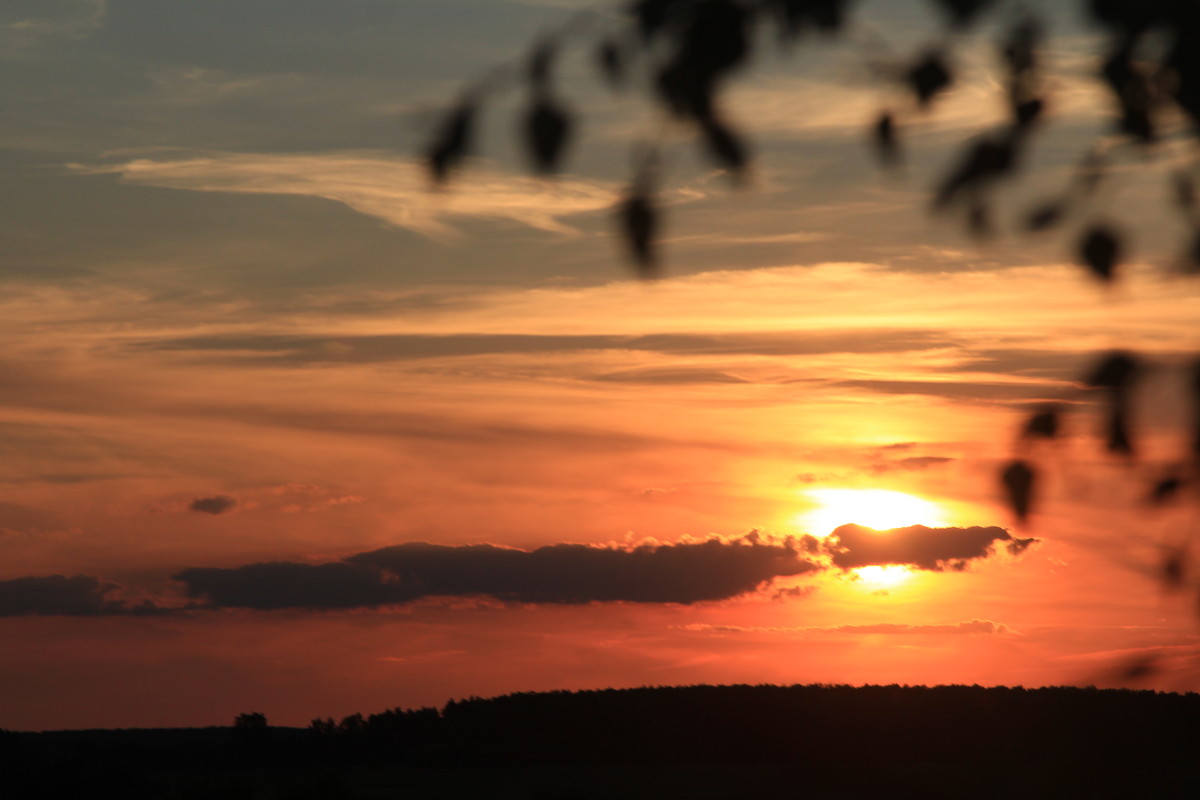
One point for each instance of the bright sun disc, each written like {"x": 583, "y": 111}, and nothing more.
{"x": 875, "y": 577}
{"x": 873, "y": 508}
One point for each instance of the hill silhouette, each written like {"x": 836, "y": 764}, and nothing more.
{"x": 693, "y": 741}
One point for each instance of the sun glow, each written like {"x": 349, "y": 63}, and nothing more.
{"x": 888, "y": 577}
{"x": 873, "y": 508}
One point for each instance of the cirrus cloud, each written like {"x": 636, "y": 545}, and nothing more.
{"x": 380, "y": 185}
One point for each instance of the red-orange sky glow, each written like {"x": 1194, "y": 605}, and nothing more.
{"x": 251, "y": 362}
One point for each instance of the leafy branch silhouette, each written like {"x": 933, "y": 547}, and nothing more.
{"x": 683, "y": 55}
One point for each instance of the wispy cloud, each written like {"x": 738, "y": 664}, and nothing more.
{"x": 381, "y": 185}
{"x": 58, "y": 19}
{"x": 976, "y": 626}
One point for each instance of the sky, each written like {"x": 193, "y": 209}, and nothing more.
{"x": 285, "y": 429}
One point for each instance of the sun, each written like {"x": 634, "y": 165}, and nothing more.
{"x": 873, "y": 508}
{"x": 883, "y": 577}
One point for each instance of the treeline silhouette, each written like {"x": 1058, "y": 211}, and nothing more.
{"x": 695, "y": 741}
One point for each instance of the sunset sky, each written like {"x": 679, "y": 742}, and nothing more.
{"x": 284, "y": 430}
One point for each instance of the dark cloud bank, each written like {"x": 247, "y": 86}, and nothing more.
{"x": 218, "y": 504}
{"x": 918, "y": 546}
{"x": 561, "y": 573}
{"x": 685, "y": 572}
{"x": 76, "y": 596}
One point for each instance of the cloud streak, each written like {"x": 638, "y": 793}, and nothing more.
{"x": 58, "y": 19}
{"x": 393, "y": 189}
{"x": 351, "y": 348}
{"x": 974, "y": 626}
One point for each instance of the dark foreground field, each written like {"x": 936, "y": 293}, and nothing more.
{"x": 686, "y": 742}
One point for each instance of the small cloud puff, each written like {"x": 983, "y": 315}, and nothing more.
{"x": 218, "y": 504}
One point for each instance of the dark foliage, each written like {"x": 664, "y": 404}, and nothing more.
{"x": 251, "y": 721}
{"x": 929, "y": 77}
{"x": 639, "y": 224}
{"x": 547, "y": 131}
{"x": 1018, "y": 479}
{"x": 686, "y": 51}
{"x": 1044, "y": 423}
{"x": 1100, "y": 251}
{"x": 696, "y": 741}
{"x": 453, "y": 142}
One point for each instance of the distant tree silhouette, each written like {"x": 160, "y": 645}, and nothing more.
{"x": 250, "y": 721}
{"x": 689, "y": 741}
{"x": 323, "y": 726}
{"x": 685, "y": 53}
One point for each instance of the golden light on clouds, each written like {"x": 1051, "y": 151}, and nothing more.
{"x": 872, "y": 508}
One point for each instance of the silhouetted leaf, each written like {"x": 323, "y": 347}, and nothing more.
{"x": 884, "y": 136}
{"x": 1133, "y": 93}
{"x": 1174, "y": 567}
{"x": 724, "y": 145}
{"x": 612, "y": 63}
{"x": 828, "y": 15}
{"x": 1043, "y": 424}
{"x": 1183, "y": 64}
{"x": 1117, "y": 370}
{"x": 651, "y": 16}
{"x": 1019, "y": 48}
{"x": 1165, "y": 489}
{"x": 1100, "y": 251}
{"x": 796, "y": 15}
{"x": 985, "y": 161}
{"x": 547, "y": 130}
{"x": 929, "y": 76}
{"x": 963, "y": 12}
{"x": 1045, "y": 216}
{"x": 1128, "y": 17}
{"x": 1137, "y": 122}
{"x": 452, "y": 142}
{"x": 715, "y": 39}
{"x": 686, "y": 92}
{"x": 1027, "y": 112}
{"x": 1018, "y": 482}
{"x": 1118, "y": 441}
{"x": 638, "y": 221}
{"x": 792, "y": 15}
